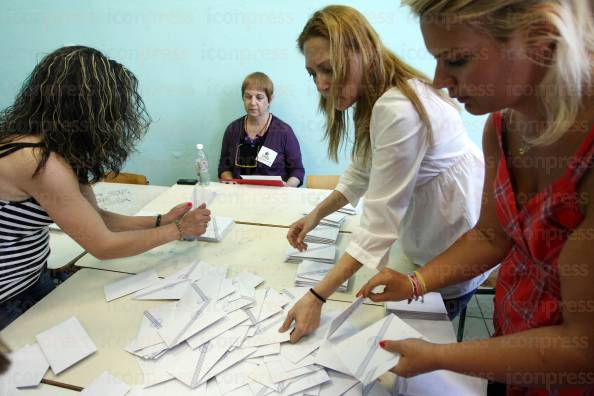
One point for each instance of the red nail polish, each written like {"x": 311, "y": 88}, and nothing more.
{"x": 382, "y": 344}
{"x": 189, "y": 204}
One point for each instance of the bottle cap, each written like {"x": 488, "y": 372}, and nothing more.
{"x": 199, "y": 146}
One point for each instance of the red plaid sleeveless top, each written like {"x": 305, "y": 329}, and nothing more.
{"x": 528, "y": 292}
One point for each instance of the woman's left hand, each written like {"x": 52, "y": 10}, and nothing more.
{"x": 416, "y": 356}
{"x": 176, "y": 213}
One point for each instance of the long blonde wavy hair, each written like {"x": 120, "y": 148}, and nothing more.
{"x": 348, "y": 31}
{"x": 570, "y": 66}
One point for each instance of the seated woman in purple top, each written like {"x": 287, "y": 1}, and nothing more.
{"x": 260, "y": 143}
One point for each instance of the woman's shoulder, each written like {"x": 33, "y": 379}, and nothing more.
{"x": 280, "y": 125}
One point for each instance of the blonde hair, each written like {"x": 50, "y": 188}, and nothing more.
{"x": 348, "y": 31}
{"x": 570, "y": 67}
{"x": 260, "y": 81}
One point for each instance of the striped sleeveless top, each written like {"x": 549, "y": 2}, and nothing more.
{"x": 24, "y": 239}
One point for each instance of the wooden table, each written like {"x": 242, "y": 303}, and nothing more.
{"x": 258, "y": 249}
{"x": 261, "y": 205}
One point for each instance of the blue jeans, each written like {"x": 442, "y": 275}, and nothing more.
{"x": 17, "y": 305}
{"x": 455, "y": 305}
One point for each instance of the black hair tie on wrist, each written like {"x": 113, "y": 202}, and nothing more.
{"x": 158, "y": 222}
{"x": 322, "y": 299}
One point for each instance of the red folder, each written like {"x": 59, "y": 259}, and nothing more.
{"x": 274, "y": 183}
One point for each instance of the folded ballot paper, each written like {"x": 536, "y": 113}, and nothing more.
{"x": 431, "y": 307}
{"x": 217, "y": 229}
{"x": 309, "y": 273}
{"x": 359, "y": 355}
{"x": 319, "y": 252}
{"x": 322, "y": 234}
{"x": 219, "y": 226}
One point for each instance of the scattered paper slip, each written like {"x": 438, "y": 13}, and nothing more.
{"x": 65, "y": 344}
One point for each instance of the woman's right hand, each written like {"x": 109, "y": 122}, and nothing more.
{"x": 299, "y": 229}
{"x": 397, "y": 286}
{"x": 194, "y": 223}
{"x": 306, "y": 315}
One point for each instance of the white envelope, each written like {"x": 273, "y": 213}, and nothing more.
{"x": 266, "y": 339}
{"x": 155, "y": 370}
{"x": 248, "y": 279}
{"x": 267, "y": 350}
{"x": 106, "y": 384}
{"x": 229, "y": 360}
{"x": 65, "y": 344}
{"x": 261, "y": 375}
{"x": 129, "y": 284}
{"x": 441, "y": 382}
{"x": 190, "y": 316}
{"x": 164, "y": 289}
{"x": 28, "y": 366}
{"x": 362, "y": 354}
{"x": 233, "y": 378}
{"x": 339, "y": 383}
{"x": 305, "y": 382}
{"x": 279, "y": 374}
{"x": 229, "y": 321}
{"x": 193, "y": 365}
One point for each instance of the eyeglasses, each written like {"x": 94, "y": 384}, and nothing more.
{"x": 245, "y": 155}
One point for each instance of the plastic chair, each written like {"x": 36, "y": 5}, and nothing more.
{"x": 127, "y": 178}
{"x": 325, "y": 182}
{"x": 488, "y": 288}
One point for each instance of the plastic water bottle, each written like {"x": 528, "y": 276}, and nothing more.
{"x": 201, "y": 166}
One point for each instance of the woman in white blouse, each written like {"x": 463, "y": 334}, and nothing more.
{"x": 412, "y": 159}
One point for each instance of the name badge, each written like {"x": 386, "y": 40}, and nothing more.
{"x": 266, "y": 156}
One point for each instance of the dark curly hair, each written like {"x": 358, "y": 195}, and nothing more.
{"x": 84, "y": 107}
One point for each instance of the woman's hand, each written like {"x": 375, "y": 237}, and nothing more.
{"x": 176, "y": 213}
{"x": 397, "y": 286}
{"x": 299, "y": 229}
{"x": 416, "y": 356}
{"x": 306, "y": 315}
{"x": 194, "y": 222}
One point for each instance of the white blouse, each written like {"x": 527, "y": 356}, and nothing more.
{"x": 421, "y": 188}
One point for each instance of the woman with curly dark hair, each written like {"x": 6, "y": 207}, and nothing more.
{"x": 77, "y": 118}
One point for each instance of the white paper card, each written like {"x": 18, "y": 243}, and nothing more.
{"x": 65, "y": 344}
{"x": 106, "y": 384}
{"x": 28, "y": 366}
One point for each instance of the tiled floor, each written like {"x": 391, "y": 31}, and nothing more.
{"x": 479, "y": 318}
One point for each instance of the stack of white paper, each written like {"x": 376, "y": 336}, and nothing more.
{"x": 348, "y": 208}
{"x": 430, "y": 308}
{"x": 315, "y": 251}
{"x": 322, "y": 234}
{"x": 335, "y": 219}
{"x": 309, "y": 273}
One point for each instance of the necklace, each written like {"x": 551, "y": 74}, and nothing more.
{"x": 261, "y": 130}
{"x": 525, "y": 145}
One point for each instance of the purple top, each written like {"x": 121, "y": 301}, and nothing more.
{"x": 279, "y": 137}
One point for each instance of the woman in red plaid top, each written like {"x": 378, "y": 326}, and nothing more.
{"x": 530, "y": 64}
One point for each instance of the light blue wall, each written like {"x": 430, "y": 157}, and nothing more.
{"x": 191, "y": 57}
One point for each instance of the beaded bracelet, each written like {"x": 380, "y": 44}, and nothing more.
{"x": 179, "y": 228}
{"x": 418, "y": 286}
